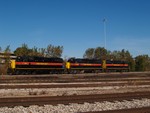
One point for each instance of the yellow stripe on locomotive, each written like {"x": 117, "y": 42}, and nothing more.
{"x": 13, "y": 64}
{"x": 104, "y": 64}
{"x": 67, "y": 65}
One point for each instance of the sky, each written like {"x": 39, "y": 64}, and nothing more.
{"x": 76, "y": 25}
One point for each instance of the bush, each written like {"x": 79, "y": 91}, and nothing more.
{"x": 3, "y": 69}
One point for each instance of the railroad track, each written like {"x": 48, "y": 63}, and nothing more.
{"x": 69, "y": 80}
{"x": 132, "y": 110}
{"x": 65, "y": 78}
{"x": 54, "y": 100}
{"x": 73, "y": 85}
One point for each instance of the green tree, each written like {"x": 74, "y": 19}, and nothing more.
{"x": 142, "y": 63}
{"x": 54, "y": 51}
{"x": 35, "y": 52}
{"x": 4, "y": 67}
{"x": 42, "y": 51}
{"x": 58, "y": 51}
{"x": 128, "y": 57}
{"x": 120, "y": 55}
{"x": 7, "y": 53}
{"x": 98, "y": 53}
{"x": 89, "y": 53}
{"x": 50, "y": 51}
{"x": 22, "y": 51}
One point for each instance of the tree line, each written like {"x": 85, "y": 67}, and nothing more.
{"x": 24, "y": 50}
{"x": 138, "y": 63}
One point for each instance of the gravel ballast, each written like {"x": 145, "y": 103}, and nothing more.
{"x": 75, "y": 108}
{"x": 71, "y": 91}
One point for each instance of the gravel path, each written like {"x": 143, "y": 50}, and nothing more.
{"x": 75, "y": 108}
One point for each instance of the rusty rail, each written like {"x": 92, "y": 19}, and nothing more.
{"x": 74, "y": 85}
{"x": 54, "y": 100}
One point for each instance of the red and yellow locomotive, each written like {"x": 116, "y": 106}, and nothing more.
{"x": 76, "y": 65}
{"x": 43, "y": 65}
{"x": 34, "y": 65}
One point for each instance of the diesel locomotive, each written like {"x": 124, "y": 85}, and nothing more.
{"x": 76, "y": 65}
{"x": 43, "y": 65}
{"x": 34, "y": 65}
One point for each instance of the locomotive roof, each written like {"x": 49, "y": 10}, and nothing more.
{"x": 39, "y": 59}
{"x": 84, "y": 60}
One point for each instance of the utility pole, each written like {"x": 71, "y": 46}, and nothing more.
{"x": 104, "y": 21}
{"x": 104, "y": 59}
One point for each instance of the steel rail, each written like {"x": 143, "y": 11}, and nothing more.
{"x": 74, "y": 85}
{"x": 54, "y": 100}
{"x": 69, "y": 80}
